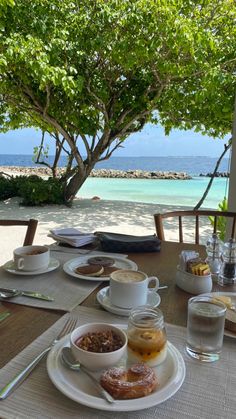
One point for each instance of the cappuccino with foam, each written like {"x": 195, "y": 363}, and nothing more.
{"x": 129, "y": 276}
{"x": 129, "y": 288}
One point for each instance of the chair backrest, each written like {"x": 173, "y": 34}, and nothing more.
{"x": 180, "y": 215}
{"x": 31, "y": 228}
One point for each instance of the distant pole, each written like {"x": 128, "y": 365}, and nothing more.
{"x": 232, "y": 172}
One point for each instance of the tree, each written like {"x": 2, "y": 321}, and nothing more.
{"x": 93, "y": 72}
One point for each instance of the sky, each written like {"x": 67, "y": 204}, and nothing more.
{"x": 151, "y": 141}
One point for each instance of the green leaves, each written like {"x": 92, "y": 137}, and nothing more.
{"x": 100, "y": 69}
{"x": 221, "y": 221}
{"x": 66, "y": 46}
{"x": 5, "y": 3}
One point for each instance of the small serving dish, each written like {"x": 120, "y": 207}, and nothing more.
{"x": 88, "y": 340}
{"x": 194, "y": 284}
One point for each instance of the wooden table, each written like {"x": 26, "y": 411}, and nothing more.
{"x": 26, "y": 323}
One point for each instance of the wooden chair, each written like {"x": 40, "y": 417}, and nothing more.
{"x": 31, "y": 228}
{"x": 179, "y": 215}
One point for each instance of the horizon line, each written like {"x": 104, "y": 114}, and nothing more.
{"x": 128, "y": 156}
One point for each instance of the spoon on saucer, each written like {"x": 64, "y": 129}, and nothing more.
{"x": 69, "y": 361}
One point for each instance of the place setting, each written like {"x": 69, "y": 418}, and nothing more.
{"x": 137, "y": 367}
{"x": 28, "y": 261}
{"x": 35, "y": 280}
{"x": 31, "y": 260}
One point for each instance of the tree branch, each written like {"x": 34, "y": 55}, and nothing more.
{"x": 53, "y": 122}
{"x": 110, "y": 152}
{"x": 141, "y": 115}
{"x": 100, "y": 105}
{"x": 227, "y": 147}
{"x": 47, "y": 100}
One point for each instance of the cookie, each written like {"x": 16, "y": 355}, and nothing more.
{"x": 89, "y": 270}
{"x": 101, "y": 260}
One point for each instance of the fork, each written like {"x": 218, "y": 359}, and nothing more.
{"x": 22, "y": 375}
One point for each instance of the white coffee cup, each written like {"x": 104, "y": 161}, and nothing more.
{"x": 31, "y": 258}
{"x": 129, "y": 288}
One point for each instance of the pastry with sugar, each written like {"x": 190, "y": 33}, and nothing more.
{"x": 138, "y": 381}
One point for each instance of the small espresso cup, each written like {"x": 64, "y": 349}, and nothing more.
{"x": 31, "y": 258}
{"x": 130, "y": 289}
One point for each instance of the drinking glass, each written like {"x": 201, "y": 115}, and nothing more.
{"x": 205, "y": 328}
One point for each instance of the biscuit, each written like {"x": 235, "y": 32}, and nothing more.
{"x": 89, "y": 270}
{"x": 101, "y": 260}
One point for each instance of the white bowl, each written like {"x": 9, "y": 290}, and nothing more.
{"x": 96, "y": 360}
{"x": 194, "y": 284}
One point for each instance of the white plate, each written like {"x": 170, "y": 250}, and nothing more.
{"x": 103, "y": 298}
{"x": 78, "y": 387}
{"x": 227, "y": 294}
{"x": 120, "y": 262}
{"x": 53, "y": 264}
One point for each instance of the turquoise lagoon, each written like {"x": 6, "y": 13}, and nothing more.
{"x": 167, "y": 192}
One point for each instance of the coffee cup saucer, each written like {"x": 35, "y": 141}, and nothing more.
{"x": 10, "y": 267}
{"x": 103, "y": 298}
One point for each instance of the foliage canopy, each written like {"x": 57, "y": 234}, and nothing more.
{"x": 93, "y": 71}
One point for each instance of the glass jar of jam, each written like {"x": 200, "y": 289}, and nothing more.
{"x": 147, "y": 340}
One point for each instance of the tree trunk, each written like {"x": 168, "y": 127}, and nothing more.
{"x": 73, "y": 186}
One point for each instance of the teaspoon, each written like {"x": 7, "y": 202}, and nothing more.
{"x": 70, "y": 362}
{"x": 6, "y": 293}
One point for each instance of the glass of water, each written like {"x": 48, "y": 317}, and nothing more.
{"x": 205, "y": 328}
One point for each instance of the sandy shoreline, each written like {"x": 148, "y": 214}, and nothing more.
{"x": 86, "y": 214}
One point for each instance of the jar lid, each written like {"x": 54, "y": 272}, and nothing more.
{"x": 146, "y": 316}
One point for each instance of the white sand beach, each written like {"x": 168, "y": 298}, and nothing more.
{"x": 86, "y": 214}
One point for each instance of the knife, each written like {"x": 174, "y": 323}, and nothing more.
{"x": 36, "y": 295}
{"x": 32, "y": 294}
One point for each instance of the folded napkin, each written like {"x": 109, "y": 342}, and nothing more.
{"x": 72, "y": 236}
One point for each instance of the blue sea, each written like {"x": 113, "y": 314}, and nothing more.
{"x": 167, "y": 192}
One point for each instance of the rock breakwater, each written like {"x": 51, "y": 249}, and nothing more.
{"x": 102, "y": 173}
{"x": 138, "y": 174}
{"x": 218, "y": 174}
